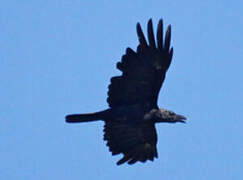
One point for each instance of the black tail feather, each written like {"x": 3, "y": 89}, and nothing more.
{"x": 77, "y": 118}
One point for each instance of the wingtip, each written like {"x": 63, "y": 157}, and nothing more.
{"x": 160, "y": 34}
{"x": 150, "y": 21}
{"x": 139, "y": 29}
{"x": 168, "y": 31}
{"x": 167, "y": 38}
{"x": 171, "y": 53}
{"x": 169, "y": 28}
{"x": 160, "y": 22}
{"x": 171, "y": 50}
{"x": 138, "y": 25}
{"x": 123, "y": 160}
{"x": 150, "y": 24}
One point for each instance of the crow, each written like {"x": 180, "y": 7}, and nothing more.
{"x": 132, "y": 97}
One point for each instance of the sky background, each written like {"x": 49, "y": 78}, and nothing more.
{"x": 58, "y": 56}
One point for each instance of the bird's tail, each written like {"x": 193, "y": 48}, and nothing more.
{"x": 77, "y": 118}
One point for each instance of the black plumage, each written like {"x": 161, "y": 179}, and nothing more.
{"x": 132, "y": 97}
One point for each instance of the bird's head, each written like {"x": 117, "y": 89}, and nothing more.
{"x": 163, "y": 115}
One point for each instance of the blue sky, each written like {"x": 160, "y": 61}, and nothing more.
{"x": 57, "y": 57}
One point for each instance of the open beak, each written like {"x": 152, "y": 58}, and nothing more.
{"x": 181, "y": 118}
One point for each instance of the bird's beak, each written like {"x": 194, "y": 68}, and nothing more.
{"x": 181, "y": 118}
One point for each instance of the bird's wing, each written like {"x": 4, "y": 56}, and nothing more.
{"x": 143, "y": 72}
{"x": 135, "y": 142}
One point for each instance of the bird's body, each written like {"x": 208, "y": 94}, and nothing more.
{"x": 130, "y": 121}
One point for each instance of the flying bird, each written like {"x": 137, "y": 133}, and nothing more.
{"x": 132, "y": 97}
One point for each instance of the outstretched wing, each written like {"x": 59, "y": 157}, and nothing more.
{"x": 135, "y": 142}
{"x": 143, "y": 72}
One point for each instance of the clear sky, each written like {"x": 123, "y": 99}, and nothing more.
{"x": 58, "y": 56}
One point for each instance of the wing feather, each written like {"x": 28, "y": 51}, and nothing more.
{"x": 136, "y": 142}
{"x": 160, "y": 35}
{"x": 167, "y": 39}
{"x": 143, "y": 71}
{"x": 141, "y": 37}
{"x": 151, "y": 34}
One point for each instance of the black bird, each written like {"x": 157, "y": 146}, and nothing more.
{"x": 132, "y": 97}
